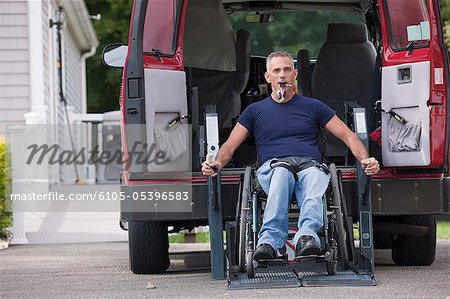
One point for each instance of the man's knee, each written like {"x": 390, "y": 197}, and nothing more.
{"x": 314, "y": 176}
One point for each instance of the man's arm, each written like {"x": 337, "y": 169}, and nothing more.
{"x": 341, "y": 131}
{"x": 226, "y": 151}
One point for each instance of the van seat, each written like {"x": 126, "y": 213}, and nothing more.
{"x": 304, "y": 73}
{"x": 345, "y": 71}
{"x": 223, "y": 88}
{"x": 219, "y": 61}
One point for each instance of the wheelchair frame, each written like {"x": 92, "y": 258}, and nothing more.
{"x": 355, "y": 268}
{"x": 334, "y": 234}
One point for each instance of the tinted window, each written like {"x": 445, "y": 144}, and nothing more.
{"x": 160, "y": 25}
{"x": 292, "y": 31}
{"x": 408, "y": 22}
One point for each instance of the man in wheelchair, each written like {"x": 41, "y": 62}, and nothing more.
{"x": 285, "y": 127}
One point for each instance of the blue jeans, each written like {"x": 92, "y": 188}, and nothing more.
{"x": 279, "y": 184}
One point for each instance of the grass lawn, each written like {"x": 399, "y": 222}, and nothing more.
{"x": 443, "y": 232}
{"x": 202, "y": 237}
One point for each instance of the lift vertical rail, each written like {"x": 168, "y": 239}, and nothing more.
{"x": 214, "y": 198}
{"x": 366, "y": 254}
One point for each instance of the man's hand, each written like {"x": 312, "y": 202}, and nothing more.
{"x": 212, "y": 168}
{"x": 370, "y": 166}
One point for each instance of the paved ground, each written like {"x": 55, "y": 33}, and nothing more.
{"x": 74, "y": 227}
{"x": 68, "y": 225}
{"x": 100, "y": 270}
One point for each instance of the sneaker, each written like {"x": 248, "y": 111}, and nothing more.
{"x": 264, "y": 252}
{"x": 306, "y": 246}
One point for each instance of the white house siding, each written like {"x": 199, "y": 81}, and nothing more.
{"x": 72, "y": 60}
{"x": 19, "y": 75}
{"x": 71, "y": 76}
{"x": 72, "y": 92}
{"x": 14, "y": 59}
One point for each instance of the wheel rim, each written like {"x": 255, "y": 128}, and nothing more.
{"x": 246, "y": 193}
{"x": 341, "y": 231}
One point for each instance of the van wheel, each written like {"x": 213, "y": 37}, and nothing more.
{"x": 148, "y": 244}
{"x": 414, "y": 250}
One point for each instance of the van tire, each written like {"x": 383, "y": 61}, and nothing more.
{"x": 148, "y": 244}
{"x": 414, "y": 250}
{"x": 382, "y": 241}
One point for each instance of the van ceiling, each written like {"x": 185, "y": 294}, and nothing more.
{"x": 266, "y": 5}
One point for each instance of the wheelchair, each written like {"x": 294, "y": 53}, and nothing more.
{"x": 336, "y": 235}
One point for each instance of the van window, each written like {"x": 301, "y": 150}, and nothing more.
{"x": 408, "y": 22}
{"x": 160, "y": 26}
{"x": 292, "y": 30}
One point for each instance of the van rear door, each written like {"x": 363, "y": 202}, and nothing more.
{"x": 414, "y": 85}
{"x": 155, "y": 89}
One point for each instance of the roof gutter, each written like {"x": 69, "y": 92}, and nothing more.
{"x": 79, "y": 23}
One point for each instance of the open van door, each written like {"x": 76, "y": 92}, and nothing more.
{"x": 155, "y": 129}
{"x": 415, "y": 79}
{"x": 154, "y": 93}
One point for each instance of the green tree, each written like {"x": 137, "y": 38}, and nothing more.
{"x": 103, "y": 83}
{"x": 445, "y": 7}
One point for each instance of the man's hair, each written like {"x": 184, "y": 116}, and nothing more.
{"x": 278, "y": 54}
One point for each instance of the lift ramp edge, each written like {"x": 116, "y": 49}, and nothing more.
{"x": 306, "y": 274}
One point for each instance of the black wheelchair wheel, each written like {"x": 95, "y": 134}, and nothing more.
{"x": 236, "y": 246}
{"x": 341, "y": 231}
{"x": 348, "y": 225}
{"x": 245, "y": 200}
{"x": 250, "y": 269}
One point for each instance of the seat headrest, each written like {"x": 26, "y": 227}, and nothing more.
{"x": 347, "y": 33}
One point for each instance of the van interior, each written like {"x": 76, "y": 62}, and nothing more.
{"x": 337, "y": 50}
{"x": 221, "y": 61}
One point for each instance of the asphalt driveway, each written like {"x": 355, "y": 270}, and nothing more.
{"x": 100, "y": 270}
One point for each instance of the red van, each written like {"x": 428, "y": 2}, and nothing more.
{"x": 183, "y": 56}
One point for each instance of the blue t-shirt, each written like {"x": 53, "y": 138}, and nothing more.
{"x": 286, "y": 129}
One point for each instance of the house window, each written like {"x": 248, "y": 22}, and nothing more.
{"x": 160, "y": 26}
{"x": 408, "y": 23}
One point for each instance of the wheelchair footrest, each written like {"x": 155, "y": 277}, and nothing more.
{"x": 307, "y": 273}
{"x": 310, "y": 257}
{"x": 271, "y": 262}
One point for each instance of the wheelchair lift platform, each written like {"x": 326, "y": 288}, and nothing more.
{"x": 303, "y": 274}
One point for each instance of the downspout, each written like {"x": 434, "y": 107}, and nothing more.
{"x": 84, "y": 57}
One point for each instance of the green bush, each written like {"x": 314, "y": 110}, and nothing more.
{"x": 447, "y": 34}
{"x": 5, "y": 180}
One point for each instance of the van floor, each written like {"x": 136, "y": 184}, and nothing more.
{"x": 302, "y": 274}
